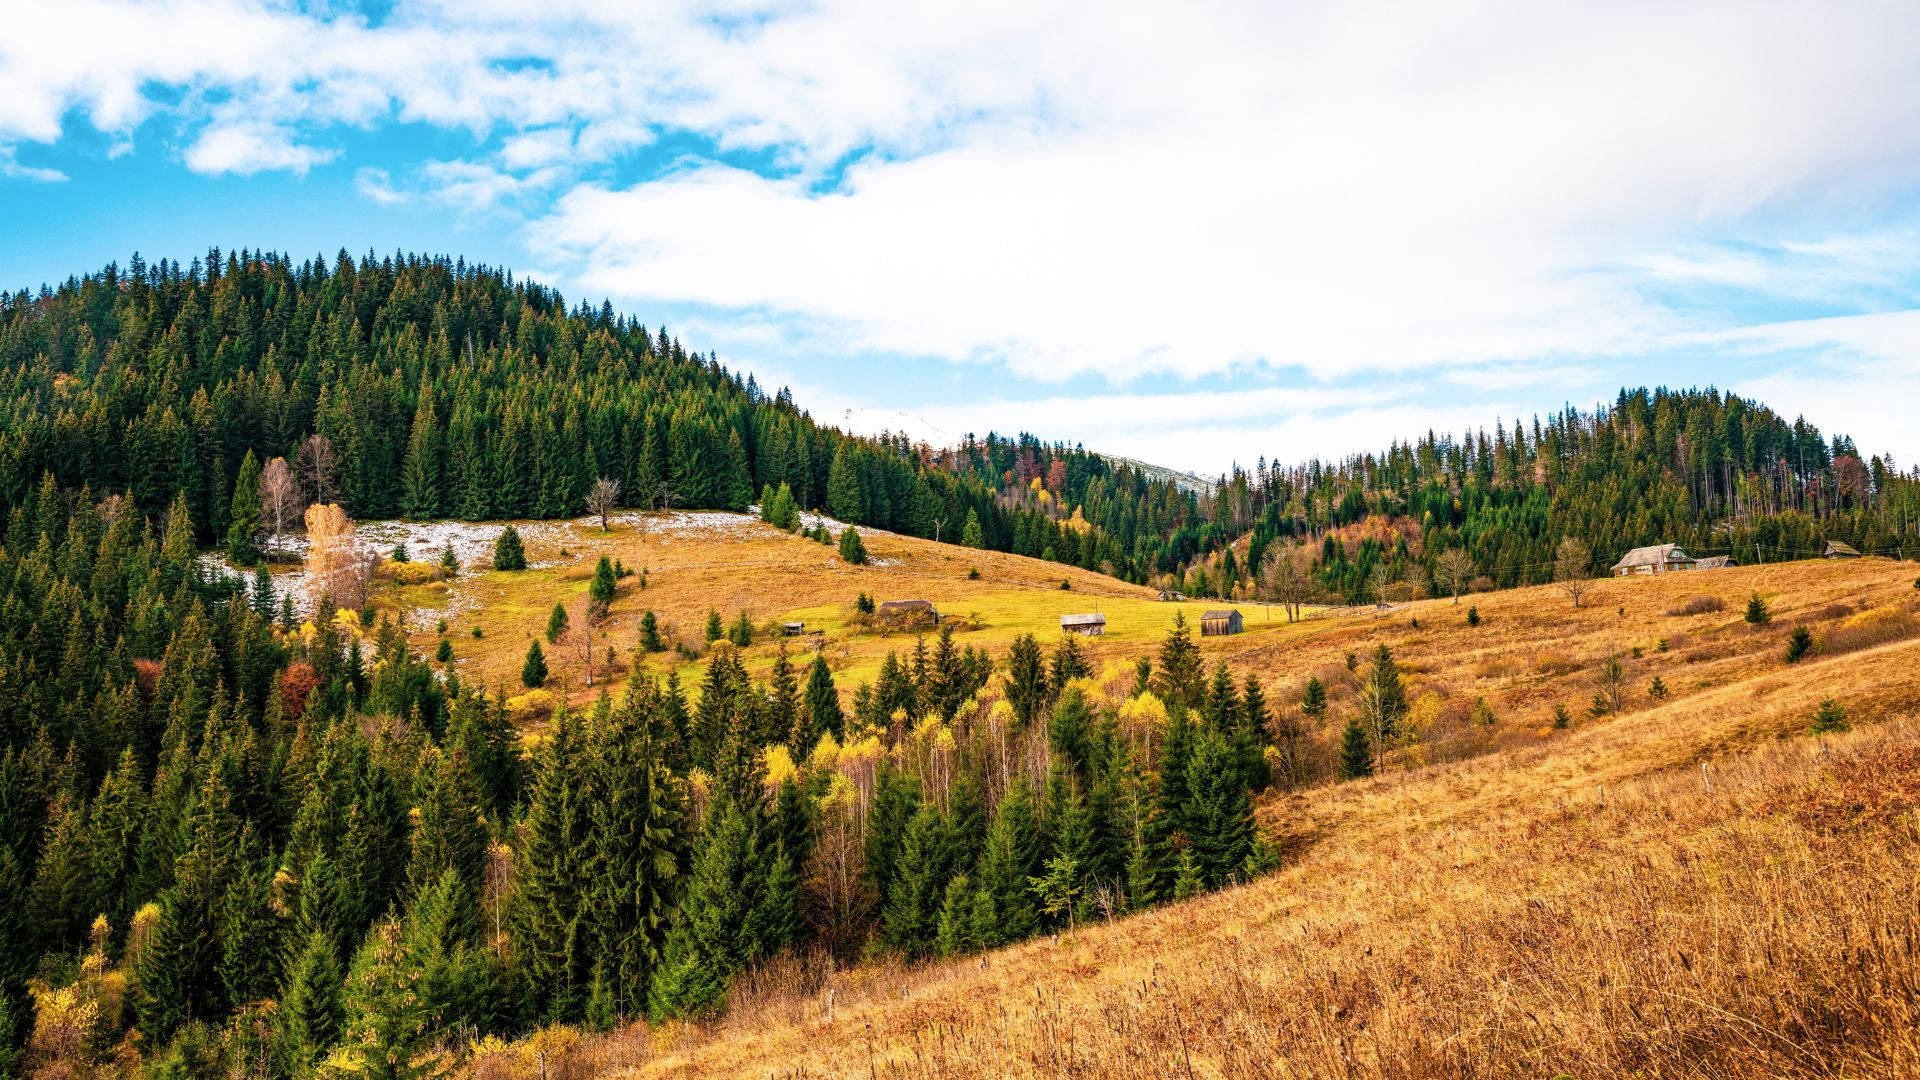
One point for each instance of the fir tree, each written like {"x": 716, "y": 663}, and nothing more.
{"x": 741, "y": 632}
{"x": 715, "y": 629}
{"x": 650, "y": 640}
{"x": 917, "y": 886}
{"x": 556, "y": 625}
{"x": 1026, "y": 679}
{"x": 1758, "y": 613}
{"x": 1830, "y": 717}
{"x": 549, "y": 934}
{"x": 1179, "y": 665}
{"x": 1799, "y": 644}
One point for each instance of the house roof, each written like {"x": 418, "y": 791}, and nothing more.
{"x": 1713, "y": 562}
{"x": 1083, "y": 620}
{"x": 1652, "y": 555}
{"x": 907, "y": 605}
{"x": 1219, "y": 613}
{"x": 1835, "y": 547}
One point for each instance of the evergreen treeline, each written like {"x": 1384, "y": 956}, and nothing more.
{"x": 1713, "y": 472}
{"x": 230, "y": 844}
{"x": 448, "y": 390}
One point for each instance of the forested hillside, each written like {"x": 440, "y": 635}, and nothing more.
{"x": 443, "y": 390}
{"x": 1714, "y": 472}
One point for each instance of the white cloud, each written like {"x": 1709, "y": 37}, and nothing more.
{"x": 1491, "y": 195}
{"x": 247, "y": 148}
{"x": 377, "y": 184}
{"x": 12, "y": 169}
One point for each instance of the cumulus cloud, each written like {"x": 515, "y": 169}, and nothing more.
{"x": 245, "y": 149}
{"x": 1487, "y": 196}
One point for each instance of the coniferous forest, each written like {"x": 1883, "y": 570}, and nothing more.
{"x": 229, "y": 844}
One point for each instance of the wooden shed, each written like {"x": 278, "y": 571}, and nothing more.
{"x": 1837, "y": 550}
{"x": 1089, "y": 625}
{"x": 908, "y": 612}
{"x": 1221, "y": 621}
{"x": 1714, "y": 562}
{"x": 793, "y": 629}
{"x": 1653, "y": 559}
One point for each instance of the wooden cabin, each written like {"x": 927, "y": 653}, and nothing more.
{"x": 1837, "y": 550}
{"x": 1088, "y": 625}
{"x": 1653, "y": 559}
{"x": 1714, "y": 562}
{"x": 1221, "y": 621}
{"x": 793, "y": 629}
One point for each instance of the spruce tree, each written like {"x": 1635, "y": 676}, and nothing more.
{"x": 650, "y": 640}
{"x": 1180, "y": 666}
{"x": 1006, "y": 911}
{"x": 971, "y": 535}
{"x": 243, "y": 521}
{"x": 822, "y": 704}
{"x": 1027, "y": 683}
{"x": 852, "y": 551}
{"x": 1313, "y": 702}
{"x": 508, "y": 552}
{"x": 556, "y": 623}
{"x": 724, "y": 920}
{"x": 602, "y": 589}
{"x": 741, "y": 632}
{"x": 533, "y": 672}
{"x": 715, "y": 629}
{"x": 1218, "y": 815}
{"x": 555, "y": 853}
{"x": 1356, "y": 751}
{"x": 389, "y": 1023}
{"x": 911, "y": 914}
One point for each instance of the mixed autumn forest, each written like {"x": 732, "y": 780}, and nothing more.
{"x": 251, "y": 829}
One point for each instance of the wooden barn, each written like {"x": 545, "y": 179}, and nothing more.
{"x": 1221, "y": 621}
{"x": 1088, "y": 625}
{"x": 1653, "y": 559}
{"x": 1837, "y": 550}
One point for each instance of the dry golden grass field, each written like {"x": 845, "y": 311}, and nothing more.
{"x": 1691, "y": 886}
{"x": 696, "y": 562}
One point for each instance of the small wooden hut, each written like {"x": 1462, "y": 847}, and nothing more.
{"x": 1089, "y": 625}
{"x": 1837, "y": 550}
{"x": 1221, "y": 621}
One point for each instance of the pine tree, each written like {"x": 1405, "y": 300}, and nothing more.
{"x": 650, "y": 640}
{"x": 741, "y": 632}
{"x": 422, "y": 474}
{"x": 727, "y": 916}
{"x": 956, "y": 930}
{"x": 852, "y": 551}
{"x": 1758, "y": 614}
{"x": 243, "y": 521}
{"x": 508, "y": 552}
{"x": 1829, "y": 718}
{"x": 388, "y": 1020}
{"x": 844, "y": 497}
{"x": 452, "y": 833}
{"x": 533, "y": 672}
{"x": 1799, "y": 644}
{"x": 1006, "y": 908}
{"x": 715, "y": 629}
{"x": 556, "y": 624}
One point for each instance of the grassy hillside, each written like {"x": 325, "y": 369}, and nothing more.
{"x": 1689, "y": 887}
{"x": 696, "y": 562}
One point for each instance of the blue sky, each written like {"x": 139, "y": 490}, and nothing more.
{"x": 1192, "y": 238}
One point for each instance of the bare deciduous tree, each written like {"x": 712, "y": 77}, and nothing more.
{"x": 603, "y": 498}
{"x": 279, "y": 500}
{"x": 319, "y": 467}
{"x": 1454, "y": 568}
{"x": 1378, "y": 581}
{"x": 1288, "y": 578}
{"x": 1570, "y": 568}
